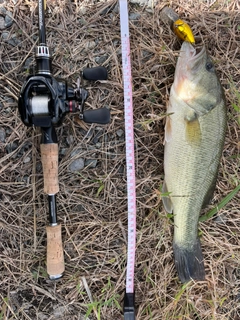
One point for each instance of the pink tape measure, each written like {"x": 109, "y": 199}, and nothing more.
{"x": 129, "y": 312}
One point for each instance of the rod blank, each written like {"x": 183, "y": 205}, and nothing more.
{"x": 41, "y": 22}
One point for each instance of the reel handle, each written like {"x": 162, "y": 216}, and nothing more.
{"x": 102, "y": 115}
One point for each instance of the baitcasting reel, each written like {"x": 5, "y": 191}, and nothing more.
{"x": 44, "y": 101}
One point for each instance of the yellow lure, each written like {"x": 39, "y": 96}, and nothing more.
{"x": 183, "y": 31}
{"x": 45, "y": 4}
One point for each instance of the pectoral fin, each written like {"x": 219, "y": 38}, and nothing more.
{"x": 168, "y": 130}
{"x": 192, "y": 129}
{"x": 166, "y": 199}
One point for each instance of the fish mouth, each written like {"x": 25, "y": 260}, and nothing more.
{"x": 191, "y": 52}
{"x": 188, "y": 70}
{"x": 191, "y": 57}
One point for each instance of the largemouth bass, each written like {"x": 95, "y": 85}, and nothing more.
{"x": 194, "y": 139}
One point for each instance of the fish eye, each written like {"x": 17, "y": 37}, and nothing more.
{"x": 209, "y": 66}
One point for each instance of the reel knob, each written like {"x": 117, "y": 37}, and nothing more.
{"x": 100, "y": 116}
{"x": 94, "y": 74}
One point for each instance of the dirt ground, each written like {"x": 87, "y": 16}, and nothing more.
{"x": 92, "y": 202}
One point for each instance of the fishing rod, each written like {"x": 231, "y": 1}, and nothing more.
{"x": 43, "y": 102}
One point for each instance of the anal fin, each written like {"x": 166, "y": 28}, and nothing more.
{"x": 208, "y": 197}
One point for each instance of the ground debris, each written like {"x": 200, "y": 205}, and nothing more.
{"x": 92, "y": 202}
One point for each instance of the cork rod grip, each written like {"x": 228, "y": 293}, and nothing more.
{"x": 49, "y": 157}
{"x": 55, "y": 257}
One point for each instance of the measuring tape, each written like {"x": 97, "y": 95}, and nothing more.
{"x": 129, "y": 313}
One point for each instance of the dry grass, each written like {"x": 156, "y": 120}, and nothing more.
{"x": 92, "y": 204}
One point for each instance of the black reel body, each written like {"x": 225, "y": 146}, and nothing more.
{"x": 44, "y": 101}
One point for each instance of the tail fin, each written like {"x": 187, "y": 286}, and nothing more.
{"x": 189, "y": 262}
